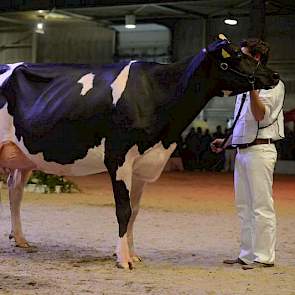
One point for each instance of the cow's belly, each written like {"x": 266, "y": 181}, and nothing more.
{"x": 150, "y": 165}
{"x": 92, "y": 163}
{"x": 14, "y": 154}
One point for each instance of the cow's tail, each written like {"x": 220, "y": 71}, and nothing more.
{"x": 3, "y": 180}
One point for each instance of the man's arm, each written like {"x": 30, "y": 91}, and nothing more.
{"x": 257, "y": 107}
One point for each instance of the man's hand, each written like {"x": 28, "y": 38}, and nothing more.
{"x": 216, "y": 145}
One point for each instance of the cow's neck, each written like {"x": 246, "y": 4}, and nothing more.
{"x": 196, "y": 87}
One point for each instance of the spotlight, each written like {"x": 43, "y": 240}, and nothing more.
{"x": 130, "y": 21}
{"x": 230, "y": 20}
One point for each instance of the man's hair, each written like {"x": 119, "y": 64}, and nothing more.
{"x": 257, "y": 46}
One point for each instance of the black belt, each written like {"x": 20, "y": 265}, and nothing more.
{"x": 255, "y": 142}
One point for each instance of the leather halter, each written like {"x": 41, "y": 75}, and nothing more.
{"x": 225, "y": 67}
{"x": 251, "y": 77}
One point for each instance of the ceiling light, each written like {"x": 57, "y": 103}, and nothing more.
{"x": 130, "y": 21}
{"x": 230, "y": 20}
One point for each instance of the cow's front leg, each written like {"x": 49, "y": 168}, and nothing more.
{"x": 136, "y": 193}
{"x": 119, "y": 165}
{"x": 16, "y": 182}
{"x": 123, "y": 213}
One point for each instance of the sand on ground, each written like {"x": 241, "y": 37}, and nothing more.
{"x": 186, "y": 227}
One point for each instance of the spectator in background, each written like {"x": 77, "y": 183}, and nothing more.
{"x": 191, "y": 150}
{"x": 204, "y": 150}
{"x": 218, "y": 133}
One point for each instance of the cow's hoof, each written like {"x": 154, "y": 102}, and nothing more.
{"x": 31, "y": 249}
{"x": 136, "y": 258}
{"x": 121, "y": 265}
{"x": 27, "y": 247}
{"x": 22, "y": 244}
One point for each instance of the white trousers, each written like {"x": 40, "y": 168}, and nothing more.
{"x": 253, "y": 179}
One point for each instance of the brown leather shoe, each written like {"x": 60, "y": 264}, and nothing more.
{"x": 256, "y": 264}
{"x": 234, "y": 261}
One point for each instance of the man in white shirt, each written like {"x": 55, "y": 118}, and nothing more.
{"x": 259, "y": 125}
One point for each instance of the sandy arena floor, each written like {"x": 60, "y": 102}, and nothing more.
{"x": 187, "y": 226}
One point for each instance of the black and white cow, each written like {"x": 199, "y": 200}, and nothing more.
{"x": 124, "y": 118}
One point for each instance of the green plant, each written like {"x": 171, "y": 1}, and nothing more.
{"x": 3, "y": 177}
{"x": 41, "y": 178}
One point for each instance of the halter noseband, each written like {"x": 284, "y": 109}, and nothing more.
{"x": 251, "y": 77}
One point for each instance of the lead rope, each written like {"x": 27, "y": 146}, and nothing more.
{"x": 235, "y": 122}
{"x": 231, "y": 130}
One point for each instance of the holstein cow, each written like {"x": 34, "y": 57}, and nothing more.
{"x": 124, "y": 118}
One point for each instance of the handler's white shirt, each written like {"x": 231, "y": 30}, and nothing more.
{"x": 248, "y": 129}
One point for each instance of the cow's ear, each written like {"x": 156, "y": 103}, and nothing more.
{"x": 222, "y": 37}
{"x": 225, "y": 54}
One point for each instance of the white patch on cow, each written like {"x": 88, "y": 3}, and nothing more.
{"x": 119, "y": 84}
{"x": 87, "y": 83}
{"x": 124, "y": 172}
{"x": 150, "y": 165}
{"x": 122, "y": 251}
{"x": 227, "y": 92}
{"x": 7, "y": 130}
{"x": 5, "y": 75}
{"x": 92, "y": 163}
{"x": 147, "y": 167}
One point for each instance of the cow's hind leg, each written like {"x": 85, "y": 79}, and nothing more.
{"x": 16, "y": 182}
{"x": 136, "y": 193}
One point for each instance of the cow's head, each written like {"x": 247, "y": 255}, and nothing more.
{"x": 237, "y": 72}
